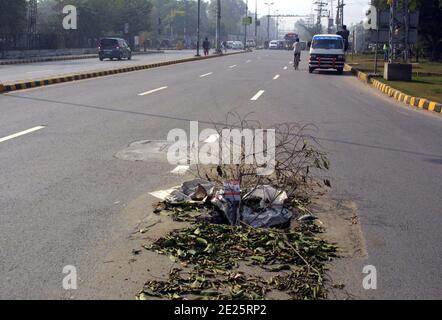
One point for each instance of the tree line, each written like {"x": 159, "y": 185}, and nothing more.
{"x": 153, "y": 19}
{"x": 430, "y": 24}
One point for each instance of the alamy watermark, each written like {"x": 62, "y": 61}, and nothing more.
{"x": 70, "y": 20}
{"x": 370, "y": 281}
{"x": 255, "y": 147}
{"x": 70, "y": 281}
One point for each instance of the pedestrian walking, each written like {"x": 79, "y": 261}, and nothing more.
{"x": 386, "y": 50}
{"x": 206, "y": 47}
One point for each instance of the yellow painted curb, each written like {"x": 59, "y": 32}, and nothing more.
{"x": 79, "y": 76}
{"x": 396, "y": 94}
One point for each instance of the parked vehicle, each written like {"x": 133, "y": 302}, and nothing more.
{"x": 114, "y": 48}
{"x": 238, "y": 45}
{"x": 251, "y": 44}
{"x": 327, "y": 52}
{"x": 273, "y": 44}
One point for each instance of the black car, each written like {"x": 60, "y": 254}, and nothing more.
{"x": 114, "y": 48}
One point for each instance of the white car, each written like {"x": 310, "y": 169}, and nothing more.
{"x": 238, "y": 45}
{"x": 273, "y": 44}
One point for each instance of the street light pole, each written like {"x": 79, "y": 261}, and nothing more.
{"x": 256, "y": 21}
{"x": 218, "y": 26}
{"x": 246, "y": 21}
{"x": 198, "y": 30}
{"x": 268, "y": 4}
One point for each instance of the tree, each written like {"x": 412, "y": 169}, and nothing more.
{"x": 12, "y": 16}
{"x": 430, "y": 23}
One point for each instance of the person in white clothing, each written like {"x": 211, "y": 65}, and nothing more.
{"x": 297, "y": 50}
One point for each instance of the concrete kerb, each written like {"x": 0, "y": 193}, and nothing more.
{"x": 409, "y": 100}
{"x": 22, "y": 85}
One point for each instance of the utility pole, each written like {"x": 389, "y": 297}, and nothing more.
{"x": 31, "y": 22}
{"x": 340, "y": 14}
{"x": 186, "y": 23}
{"x": 407, "y": 30}
{"x": 393, "y": 8}
{"x": 218, "y": 26}
{"x": 321, "y": 13}
{"x": 268, "y": 4}
{"x": 277, "y": 25}
{"x": 246, "y": 24}
{"x": 198, "y": 30}
{"x": 256, "y": 21}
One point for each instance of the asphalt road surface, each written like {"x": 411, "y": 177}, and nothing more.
{"x": 63, "y": 191}
{"x": 11, "y": 73}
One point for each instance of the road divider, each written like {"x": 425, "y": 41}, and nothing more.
{"x": 152, "y": 91}
{"x": 409, "y": 100}
{"x": 22, "y": 133}
{"x": 22, "y": 85}
{"x": 64, "y": 58}
{"x": 258, "y": 95}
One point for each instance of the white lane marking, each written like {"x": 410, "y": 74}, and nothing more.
{"x": 152, "y": 91}
{"x": 258, "y": 95}
{"x": 234, "y": 66}
{"x": 276, "y": 77}
{"x": 285, "y": 68}
{"x": 291, "y": 62}
{"x": 22, "y": 133}
{"x": 206, "y": 74}
{"x": 180, "y": 170}
{"x": 39, "y": 71}
{"x": 212, "y": 139}
{"x": 248, "y": 61}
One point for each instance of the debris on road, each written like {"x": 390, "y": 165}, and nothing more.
{"x": 241, "y": 227}
{"x": 213, "y": 256}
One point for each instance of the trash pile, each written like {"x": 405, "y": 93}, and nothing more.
{"x": 233, "y": 232}
{"x": 262, "y": 207}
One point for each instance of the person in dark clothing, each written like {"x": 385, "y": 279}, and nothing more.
{"x": 206, "y": 47}
{"x": 344, "y": 33}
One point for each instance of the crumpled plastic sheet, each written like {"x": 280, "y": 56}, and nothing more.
{"x": 272, "y": 217}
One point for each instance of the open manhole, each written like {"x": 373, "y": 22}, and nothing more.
{"x": 146, "y": 150}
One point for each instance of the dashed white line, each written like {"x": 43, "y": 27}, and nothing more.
{"x": 206, "y": 74}
{"x": 248, "y": 61}
{"x": 180, "y": 170}
{"x": 285, "y": 68}
{"x": 22, "y": 133}
{"x": 152, "y": 91}
{"x": 276, "y": 77}
{"x": 234, "y": 66}
{"x": 258, "y": 95}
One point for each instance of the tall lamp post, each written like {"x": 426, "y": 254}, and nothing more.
{"x": 246, "y": 21}
{"x": 198, "y": 30}
{"x": 268, "y": 4}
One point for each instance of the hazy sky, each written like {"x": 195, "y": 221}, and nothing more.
{"x": 353, "y": 11}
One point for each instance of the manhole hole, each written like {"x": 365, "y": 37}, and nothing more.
{"x": 146, "y": 150}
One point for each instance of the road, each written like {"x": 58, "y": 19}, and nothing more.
{"x": 62, "y": 191}
{"x": 13, "y": 73}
